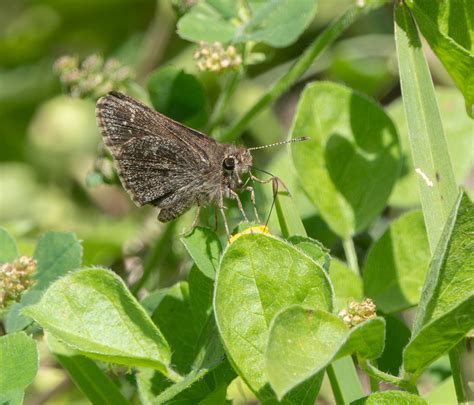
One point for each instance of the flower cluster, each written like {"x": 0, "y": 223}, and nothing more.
{"x": 15, "y": 278}
{"x": 358, "y": 312}
{"x": 215, "y": 58}
{"x": 93, "y": 77}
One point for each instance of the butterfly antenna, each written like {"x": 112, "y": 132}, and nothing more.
{"x": 301, "y": 138}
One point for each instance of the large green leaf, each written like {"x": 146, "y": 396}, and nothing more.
{"x": 259, "y": 276}
{"x": 397, "y": 263}
{"x": 350, "y": 163}
{"x": 432, "y": 164}
{"x": 8, "y": 248}
{"x": 87, "y": 375}
{"x": 444, "y": 315}
{"x": 19, "y": 365}
{"x": 277, "y": 23}
{"x": 56, "y": 254}
{"x": 92, "y": 311}
{"x": 302, "y": 342}
{"x": 448, "y": 27}
{"x": 459, "y": 137}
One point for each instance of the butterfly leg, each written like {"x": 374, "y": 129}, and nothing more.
{"x": 221, "y": 209}
{"x": 254, "y": 204}
{"x": 275, "y": 181}
{"x": 195, "y": 221}
{"x": 235, "y": 196}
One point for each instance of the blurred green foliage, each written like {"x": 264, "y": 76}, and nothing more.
{"x": 55, "y": 174}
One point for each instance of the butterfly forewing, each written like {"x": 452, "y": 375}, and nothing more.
{"x": 159, "y": 161}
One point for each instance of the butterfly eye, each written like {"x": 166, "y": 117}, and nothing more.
{"x": 228, "y": 163}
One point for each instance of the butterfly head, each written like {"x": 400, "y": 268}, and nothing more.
{"x": 236, "y": 162}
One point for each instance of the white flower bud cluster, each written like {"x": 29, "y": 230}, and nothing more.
{"x": 15, "y": 278}
{"x": 215, "y": 58}
{"x": 358, "y": 312}
{"x": 93, "y": 77}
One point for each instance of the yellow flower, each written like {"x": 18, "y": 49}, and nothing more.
{"x": 253, "y": 229}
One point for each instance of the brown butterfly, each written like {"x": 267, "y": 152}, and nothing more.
{"x": 166, "y": 164}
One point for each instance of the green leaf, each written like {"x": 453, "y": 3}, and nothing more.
{"x": 390, "y": 397}
{"x": 350, "y": 163}
{"x": 56, "y": 254}
{"x": 175, "y": 320}
{"x": 8, "y": 249}
{"x": 313, "y": 248}
{"x": 397, "y": 263}
{"x": 448, "y": 28}
{"x": 19, "y": 360}
{"x": 444, "y": 315}
{"x": 204, "y": 246}
{"x": 86, "y": 375}
{"x": 260, "y": 275}
{"x": 201, "y": 289}
{"x": 178, "y": 95}
{"x": 276, "y": 23}
{"x": 459, "y": 137}
{"x": 397, "y": 336}
{"x": 436, "y": 182}
{"x": 347, "y": 285}
{"x": 92, "y": 311}
{"x": 288, "y": 215}
{"x": 209, "y": 370}
{"x": 302, "y": 342}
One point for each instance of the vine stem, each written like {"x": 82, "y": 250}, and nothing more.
{"x": 297, "y": 70}
{"x": 380, "y": 375}
{"x": 351, "y": 256}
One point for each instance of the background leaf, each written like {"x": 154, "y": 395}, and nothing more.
{"x": 8, "y": 249}
{"x": 277, "y": 23}
{"x": 397, "y": 263}
{"x": 444, "y": 315}
{"x": 19, "y": 360}
{"x": 348, "y": 166}
{"x": 260, "y": 275}
{"x": 56, "y": 254}
{"x": 459, "y": 138}
{"x": 347, "y": 285}
{"x": 178, "y": 95}
{"x": 436, "y": 182}
{"x": 87, "y": 375}
{"x": 101, "y": 319}
{"x": 448, "y": 28}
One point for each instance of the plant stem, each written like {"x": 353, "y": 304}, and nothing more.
{"x": 460, "y": 358}
{"x": 379, "y": 375}
{"x": 351, "y": 256}
{"x": 374, "y": 384}
{"x": 345, "y": 383}
{"x": 296, "y": 71}
{"x": 153, "y": 257}
{"x": 223, "y": 100}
